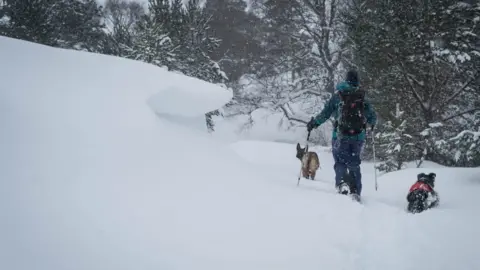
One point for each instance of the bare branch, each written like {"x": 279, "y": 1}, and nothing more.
{"x": 412, "y": 88}
{"x": 290, "y": 117}
{"x": 316, "y": 36}
{"x": 312, "y": 7}
{"x": 434, "y": 94}
{"x": 465, "y": 85}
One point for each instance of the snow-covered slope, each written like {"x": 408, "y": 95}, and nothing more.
{"x": 102, "y": 166}
{"x": 379, "y": 234}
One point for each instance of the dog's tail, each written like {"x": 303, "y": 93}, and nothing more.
{"x": 316, "y": 161}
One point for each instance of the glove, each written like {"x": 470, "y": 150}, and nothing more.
{"x": 311, "y": 124}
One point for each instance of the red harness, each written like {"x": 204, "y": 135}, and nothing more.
{"x": 421, "y": 186}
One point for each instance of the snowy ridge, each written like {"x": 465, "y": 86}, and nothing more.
{"x": 165, "y": 91}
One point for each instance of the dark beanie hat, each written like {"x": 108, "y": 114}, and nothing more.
{"x": 352, "y": 78}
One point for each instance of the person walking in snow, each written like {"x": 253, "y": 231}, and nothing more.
{"x": 352, "y": 112}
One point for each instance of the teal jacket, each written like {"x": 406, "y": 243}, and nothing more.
{"x": 331, "y": 108}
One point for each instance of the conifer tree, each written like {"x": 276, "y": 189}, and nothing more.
{"x": 71, "y": 24}
{"x": 395, "y": 144}
{"x": 422, "y": 55}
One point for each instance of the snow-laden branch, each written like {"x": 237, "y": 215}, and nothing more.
{"x": 460, "y": 114}
{"x": 475, "y": 135}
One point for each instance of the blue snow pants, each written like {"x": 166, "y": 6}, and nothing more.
{"x": 346, "y": 154}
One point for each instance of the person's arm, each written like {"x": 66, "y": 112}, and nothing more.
{"x": 327, "y": 111}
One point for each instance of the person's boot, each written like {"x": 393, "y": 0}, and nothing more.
{"x": 343, "y": 188}
{"x": 349, "y": 178}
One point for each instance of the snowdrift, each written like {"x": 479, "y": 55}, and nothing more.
{"x": 103, "y": 167}
{"x": 92, "y": 178}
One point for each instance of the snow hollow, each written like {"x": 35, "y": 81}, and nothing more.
{"x": 105, "y": 164}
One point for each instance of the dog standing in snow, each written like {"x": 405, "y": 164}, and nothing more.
{"x": 421, "y": 195}
{"x": 310, "y": 162}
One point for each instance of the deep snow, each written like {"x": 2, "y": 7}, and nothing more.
{"x": 379, "y": 234}
{"x": 104, "y": 165}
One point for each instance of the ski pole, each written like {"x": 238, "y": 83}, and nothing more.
{"x": 301, "y": 162}
{"x": 374, "y": 160}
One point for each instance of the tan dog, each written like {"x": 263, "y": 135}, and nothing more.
{"x": 310, "y": 162}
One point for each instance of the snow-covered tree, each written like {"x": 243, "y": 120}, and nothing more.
{"x": 122, "y": 18}
{"x": 83, "y": 28}
{"x": 152, "y": 44}
{"x": 31, "y": 20}
{"x": 431, "y": 142}
{"x": 196, "y": 43}
{"x": 395, "y": 145}
{"x": 239, "y": 32}
{"x": 422, "y": 55}
{"x": 72, "y": 24}
{"x": 464, "y": 147}
{"x": 177, "y": 37}
{"x": 467, "y": 148}
{"x": 304, "y": 49}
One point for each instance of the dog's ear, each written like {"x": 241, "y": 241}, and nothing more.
{"x": 298, "y": 147}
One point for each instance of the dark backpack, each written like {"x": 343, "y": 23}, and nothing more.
{"x": 352, "y": 120}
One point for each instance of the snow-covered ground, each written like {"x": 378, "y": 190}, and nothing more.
{"x": 105, "y": 164}
{"x": 379, "y": 234}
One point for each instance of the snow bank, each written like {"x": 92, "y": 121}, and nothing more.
{"x": 91, "y": 178}
{"x": 187, "y": 96}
